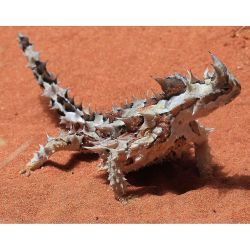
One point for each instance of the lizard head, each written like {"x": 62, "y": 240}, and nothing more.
{"x": 200, "y": 96}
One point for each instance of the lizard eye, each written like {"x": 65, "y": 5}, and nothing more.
{"x": 226, "y": 87}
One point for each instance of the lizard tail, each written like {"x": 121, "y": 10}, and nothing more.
{"x": 70, "y": 112}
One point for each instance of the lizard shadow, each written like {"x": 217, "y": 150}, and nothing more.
{"x": 168, "y": 176}
{"x": 74, "y": 160}
{"x": 180, "y": 177}
{"x": 176, "y": 177}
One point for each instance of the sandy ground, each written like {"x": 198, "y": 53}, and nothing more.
{"x": 102, "y": 66}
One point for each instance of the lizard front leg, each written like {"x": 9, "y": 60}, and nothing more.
{"x": 202, "y": 149}
{"x": 116, "y": 176}
{"x": 62, "y": 142}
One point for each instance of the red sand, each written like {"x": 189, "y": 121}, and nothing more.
{"x": 104, "y": 65}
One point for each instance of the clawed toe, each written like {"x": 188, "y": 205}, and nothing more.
{"x": 25, "y": 172}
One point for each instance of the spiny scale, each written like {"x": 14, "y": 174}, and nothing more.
{"x": 140, "y": 133}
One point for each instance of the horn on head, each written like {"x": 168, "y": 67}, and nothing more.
{"x": 220, "y": 70}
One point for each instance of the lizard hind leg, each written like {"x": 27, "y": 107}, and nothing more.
{"x": 61, "y": 143}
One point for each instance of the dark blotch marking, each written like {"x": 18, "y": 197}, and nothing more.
{"x": 69, "y": 107}
{"x": 60, "y": 112}
{"x": 112, "y": 116}
{"x": 133, "y": 123}
{"x": 163, "y": 122}
{"x": 60, "y": 99}
{"x": 24, "y": 41}
{"x": 86, "y": 142}
{"x": 172, "y": 85}
{"x": 40, "y": 67}
{"x": 48, "y": 77}
{"x": 52, "y": 102}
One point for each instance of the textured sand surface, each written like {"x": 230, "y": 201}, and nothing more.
{"x": 102, "y": 66}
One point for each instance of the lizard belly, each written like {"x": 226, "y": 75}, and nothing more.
{"x": 145, "y": 156}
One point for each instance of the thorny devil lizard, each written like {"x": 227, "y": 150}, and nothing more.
{"x": 139, "y": 133}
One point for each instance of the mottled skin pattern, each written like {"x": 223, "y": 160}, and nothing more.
{"x": 139, "y": 133}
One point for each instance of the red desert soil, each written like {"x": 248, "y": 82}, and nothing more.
{"x": 102, "y": 66}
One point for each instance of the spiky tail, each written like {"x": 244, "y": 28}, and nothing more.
{"x": 70, "y": 113}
